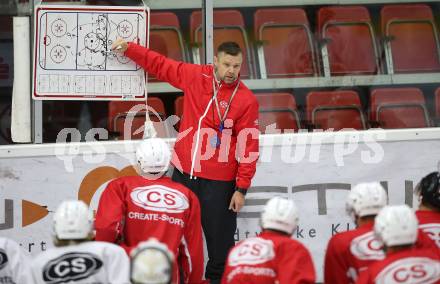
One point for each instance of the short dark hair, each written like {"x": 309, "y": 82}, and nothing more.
{"x": 229, "y": 47}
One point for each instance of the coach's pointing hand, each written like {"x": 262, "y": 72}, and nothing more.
{"x": 120, "y": 45}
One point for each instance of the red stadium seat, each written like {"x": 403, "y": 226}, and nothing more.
{"x": 335, "y": 109}
{"x": 278, "y": 108}
{"x": 411, "y": 38}
{"x": 166, "y": 37}
{"x": 398, "y": 108}
{"x": 287, "y": 47}
{"x": 121, "y": 113}
{"x": 346, "y": 34}
{"x": 228, "y": 26}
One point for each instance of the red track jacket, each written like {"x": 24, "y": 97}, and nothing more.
{"x": 137, "y": 209}
{"x": 240, "y": 135}
{"x": 267, "y": 259}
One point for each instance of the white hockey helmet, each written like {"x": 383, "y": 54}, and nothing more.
{"x": 280, "y": 214}
{"x": 151, "y": 263}
{"x": 366, "y": 199}
{"x": 73, "y": 220}
{"x": 153, "y": 155}
{"x": 396, "y": 225}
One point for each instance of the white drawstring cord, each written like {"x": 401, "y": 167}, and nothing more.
{"x": 198, "y": 134}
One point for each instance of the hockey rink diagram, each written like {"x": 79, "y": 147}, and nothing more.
{"x": 72, "y": 57}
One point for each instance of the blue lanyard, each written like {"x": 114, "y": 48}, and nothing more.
{"x": 215, "y": 140}
{"x": 222, "y": 119}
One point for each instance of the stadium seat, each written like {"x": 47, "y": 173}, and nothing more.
{"x": 178, "y": 106}
{"x": 286, "y": 47}
{"x": 398, "y": 108}
{"x": 278, "y": 108}
{"x": 120, "y": 112}
{"x": 166, "y": 37}
{"x": 335, "y": 109}
{"x": 228, "y": 26}
{"x": 411, "y": 38}
{"x": 347, "y": 40}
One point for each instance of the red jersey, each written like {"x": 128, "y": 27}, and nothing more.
{"x": 429, "y": 223}
{"x": 267, "y": 259}
{"x": 411, "y": 266}
{"x": 238, "y": 134}
{"x": 349, "y": 253}
{"x": 137, "y": 209}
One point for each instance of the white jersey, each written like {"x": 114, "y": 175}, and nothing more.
{"x": 14, "y": 264}
{"x": 85, "y": 263}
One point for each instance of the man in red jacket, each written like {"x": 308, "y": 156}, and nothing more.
{"x": 216, "y": 150}
{"x": 272, "y": 257}
{"x": 396, "y": 228}
{"x": 135, "y": 208}
{"x": 428, "y": 214}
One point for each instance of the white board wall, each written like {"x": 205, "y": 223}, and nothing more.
{"x": 71, "y": 58}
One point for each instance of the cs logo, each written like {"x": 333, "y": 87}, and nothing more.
{"x": 252, "y": 251}
{"x": 159, "y": 198}
{"x": 367, "y": 247}
{"x": 71, "y": 267}
{"x": 410, "y": 270}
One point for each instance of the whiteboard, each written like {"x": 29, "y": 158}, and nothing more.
{"x": 71, "y": 61}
